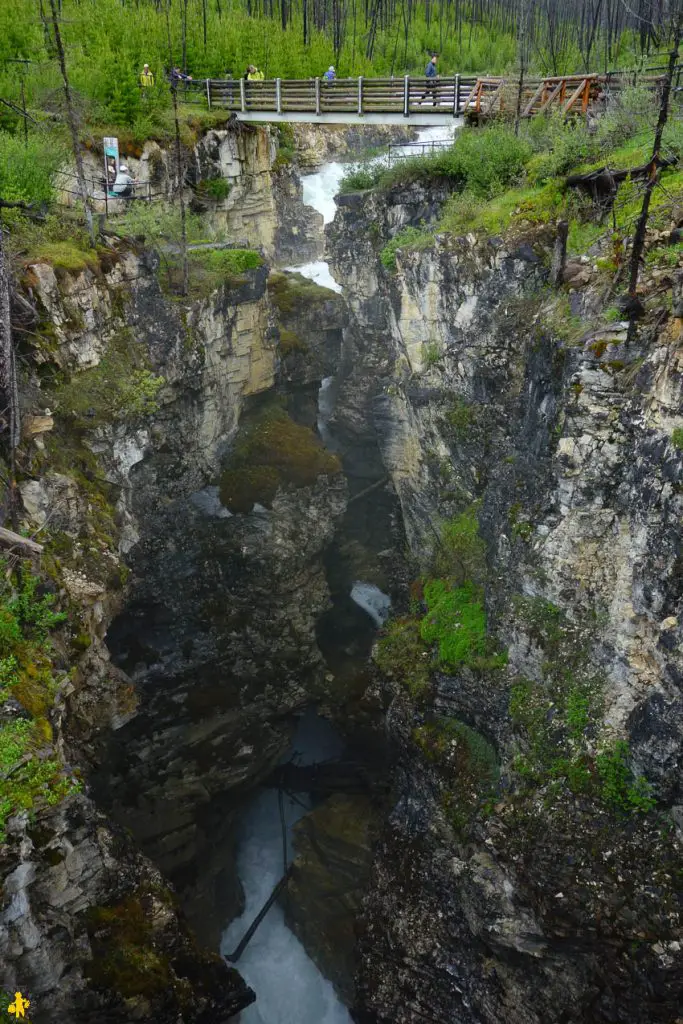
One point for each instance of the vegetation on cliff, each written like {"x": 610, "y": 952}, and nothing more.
{"x": 272, "y": 451}
{"x": 31, "y": 771}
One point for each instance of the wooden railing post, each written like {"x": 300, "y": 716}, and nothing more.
{"x": 586, "y": 96}
{"x": 406, "y": 96}
{"x": 243, "y": 98}
{"x": 278, "y": 95}
{"x": 317, "y": 96}
{"x": 208, "y": 92}
{"x": 360, "y": 95}
{"x": 456, "y": 96}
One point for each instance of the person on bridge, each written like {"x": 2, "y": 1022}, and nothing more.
{"x": 252, "y": 74}
{"x": 431, "y": 74}
{"x": 330, "y": 74}
{"x": 146, "y": 77}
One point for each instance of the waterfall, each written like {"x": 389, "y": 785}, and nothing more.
{"x": 289, "y": 987}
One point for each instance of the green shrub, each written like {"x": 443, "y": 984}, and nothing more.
{"x": 27, "y": 172}
{"x": 408, "y": 238}
{"x": 460, "y": 417}
{"x": 677, "y": 438}
{"x": 462, "y": 552}
{"x": 483, "y": 161}
{"x": 361, "y": 177}
{"x": 455, "y": 622}
{"x": 401, "y": 654}
{"x": 217, "y": 188}
{"x": 431, "y": 353}
{"x": 619, "y": 787}
{"x": 30, "y": 773}
{"x": 227, "y": 261}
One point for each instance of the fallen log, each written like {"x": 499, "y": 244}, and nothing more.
{"x": 603, "y": 182}
{"x": 10, "y": 539}
{"x": 320, "y": 779}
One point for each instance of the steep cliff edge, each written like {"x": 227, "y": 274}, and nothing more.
{"x": 184, "y": 511}
{"x": 528, "y": 869}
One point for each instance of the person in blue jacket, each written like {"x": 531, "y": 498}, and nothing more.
{"x": 330, "y": 74}
{"x": 431, "y": 74}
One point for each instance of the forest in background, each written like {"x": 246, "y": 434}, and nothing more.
{"x": 107, "y": 41}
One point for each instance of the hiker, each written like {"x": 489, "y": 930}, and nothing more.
{"x": 253, "y": 74}
{"x": 330, "y": 74}
{"x": 431, "y": 74}
{"x": 179, "y": 76}
{"x": 123, "y": 183}
{"x": 146, "y": 78}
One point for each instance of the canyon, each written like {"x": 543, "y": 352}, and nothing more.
{"x": 236, "y": 489}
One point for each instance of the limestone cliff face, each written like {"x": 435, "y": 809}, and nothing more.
{"x": 236, "y": 178}
{"x": 133, "y": 402}
{"x": 557, "y": 900}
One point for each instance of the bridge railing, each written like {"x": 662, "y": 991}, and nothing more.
{"x": 407, "y": 95}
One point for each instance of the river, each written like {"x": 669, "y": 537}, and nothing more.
{"x": 289, "y": 987}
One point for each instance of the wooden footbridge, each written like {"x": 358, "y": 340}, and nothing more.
{"x": 416, "y": 99}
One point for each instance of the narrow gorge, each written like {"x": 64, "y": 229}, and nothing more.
{"x": 369, "y": 551}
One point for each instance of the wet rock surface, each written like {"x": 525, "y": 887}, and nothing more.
{"x": 332, "y": 857}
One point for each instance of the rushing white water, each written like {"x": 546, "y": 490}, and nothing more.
{"x": 371, "y": 599}
{"x": 289, "y": 987}
{"x": 318, "y": 272}
{"x": 319, "y": 189}
{"x": 326, "y": 400}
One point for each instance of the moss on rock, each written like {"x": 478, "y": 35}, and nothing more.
{"x": 272, "y": 451}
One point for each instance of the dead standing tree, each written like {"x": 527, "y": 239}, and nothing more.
{"x": 179, "y": 157}
{"x": 8, "y": 370}
{"x": 653, "y": 166}
{"x": 73, "y": 128}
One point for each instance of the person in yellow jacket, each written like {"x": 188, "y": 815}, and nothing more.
{"x": 253, "y": 74}
{"x": 146, "y": 78}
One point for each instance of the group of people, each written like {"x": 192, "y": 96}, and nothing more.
{"x": 253, "y": 74}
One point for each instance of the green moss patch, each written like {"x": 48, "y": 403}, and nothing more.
{"x": 293, "y": 292}
{"x": 125, "y": 958}
{"x": 272, "y": 451}
{"x": 402, "y": 654}
{"x": 210, "y": 269}
{"x": 120, "y": 387}
{"x": 467, "y": 765}
{"x": 290, "y": 342}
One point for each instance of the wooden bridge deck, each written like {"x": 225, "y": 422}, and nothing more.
{"x": 415, "y": 99}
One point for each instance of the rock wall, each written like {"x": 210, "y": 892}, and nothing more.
{"x": 236, "y": 179}
{"x": 554, "y": 898}
{"x": 133, "y": 400}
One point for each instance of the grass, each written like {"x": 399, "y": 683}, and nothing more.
{"x": 272, "y": 451}
{"x": 210, "y": 269}
{"x": 291, "y": 293}
{"x": 677, "y": 438}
